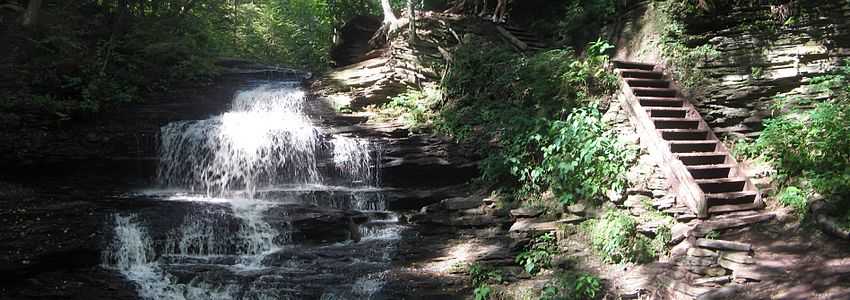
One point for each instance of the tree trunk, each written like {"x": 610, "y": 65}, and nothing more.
{"x": 389, "y": 17}
{"x": 31, "y": 15}
{"x": 412, "y": 22}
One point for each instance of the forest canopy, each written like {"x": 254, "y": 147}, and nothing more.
{"x": 107, "y": 52}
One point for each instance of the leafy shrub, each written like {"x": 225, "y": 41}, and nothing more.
{"x": 480, "y": 277}
{"x": 415, "y": 108}
{"x": 482, "y": 292}
{"x": 539, "y": 110}
{"x": 794, "y": 198}
{"x": 813, "y": 145}
{"x": 582, "y": 159}
{"x": 616, "y": 239}
{"x": 571, "y": 286}
{"x": 538, "y": 254}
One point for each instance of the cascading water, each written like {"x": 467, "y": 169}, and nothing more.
{"x": 237, "y": 171}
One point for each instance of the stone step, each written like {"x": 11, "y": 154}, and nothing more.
{"x": 667, "y": 112}
{"x": 710, "y": 171}
{"x": 675, "y": 123}
{"x": 702, "y": 158}
{"x": 730, "y": 198}
{"x": 722, "y": 185}
{"x": 654, "y": 92}
{"x": 683, "y": 134}
{"x": 692, "y": 146}
{"x": 661, "y": 101}
{"x": 621, "y": 64}
{"x": 726, "y": 208}
{"x": 652, "y": 83}
{"x": 636, "y": 73}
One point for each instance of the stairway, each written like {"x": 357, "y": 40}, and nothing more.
{"x": 699, "y": 168}
{"x": 521, "y": 39}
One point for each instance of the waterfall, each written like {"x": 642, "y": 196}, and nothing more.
{"x": 236, "y": 169}
{"x": 264, "y": 139}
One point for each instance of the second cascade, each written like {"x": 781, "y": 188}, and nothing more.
{"x": 259, "y": 203}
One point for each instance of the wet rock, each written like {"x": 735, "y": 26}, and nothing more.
{"x": 459, "y": 203}
{"x": 313, "y": 224}
{"x": 419, "y": 198}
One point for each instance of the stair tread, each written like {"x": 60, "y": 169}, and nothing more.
{"x": 646, "y": 88}
{"x": 694, "y": 142}
{"x": 662, "y": 99}
{"x": 720, "y": 180}
{"x": 647, "y": 80}
{"x": 667, "y": 108}
{"x": 730, "y": 195}
{"x": 680, "y": 129}
{"x": 673, "y": 119}
{"x": 732, "y": 207}
{"x": 641, "y": 71}
{"x": 634, "y": 63}
{"x": 700, "y": 154}
{"x": 713, "y": 166}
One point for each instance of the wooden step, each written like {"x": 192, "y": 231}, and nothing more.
{"x": 667, "y": 112}
{"x": 653, "y": 83}
{"x": 654, "y": 92}
{"x": 722, "y": 185}
{"x": 675, "y": 123}
{"x": 692, "y": 146}
{"x": 636, "y": 73}
{"x": 661, "y": 101}
{"x": 701, "y": 158}
{"x": 621, "y": 64}
{"x": 683, "y": 134}
{"x": 730, "y": 198}
{"x": 719, "y": 209}
{"x": 710, "y": 171}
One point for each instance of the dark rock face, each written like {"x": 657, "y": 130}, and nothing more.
{"x": 758, "y": 64}
{"x": 130, "y": 132}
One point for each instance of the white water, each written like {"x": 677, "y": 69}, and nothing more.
{"x": 266, "y": 143}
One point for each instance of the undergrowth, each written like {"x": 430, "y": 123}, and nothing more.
{"x": 809, "y": 148}
{"x": 538, "y": 254}
{"x": 535, "y": 119}
{"x": 572, "y": 286}
{"x": 616, "y": 239}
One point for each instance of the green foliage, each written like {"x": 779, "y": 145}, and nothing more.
{"x": 482, "y": 292}
{"x": 569, "y": 21}
{"x": 538, "y": 254}
{"x": 616, "y": 239}
{"x": 813, "y": 145}
{"x": 94, "y": 55}
{"x": 415, "y": 108}
{"x": 809, "y": 149}
{"x": 540, "y": 111}
{"x": 795, "y": 198}
{"x": 572, "y": 286}
{"x": 582, "y": 160}
{"x": 481, "y": 277}
{"x": 685, "y": 58}
{"x": 712, "y": 234}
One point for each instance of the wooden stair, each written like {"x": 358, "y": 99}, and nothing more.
{"x": 521, "y": 39}
{"x": 699, "y": 168}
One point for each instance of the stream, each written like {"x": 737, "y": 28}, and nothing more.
{"x": 239, "y": 205}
